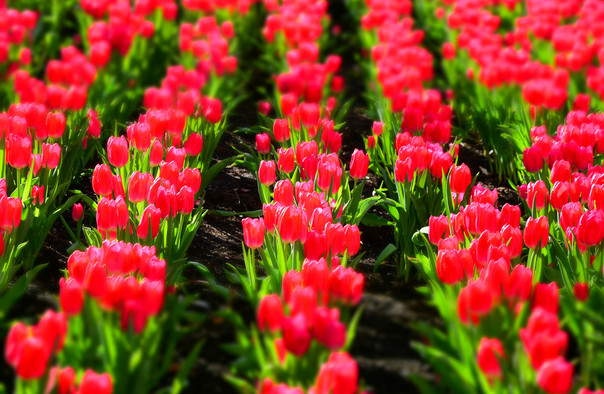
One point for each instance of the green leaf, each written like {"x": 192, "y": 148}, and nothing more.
{"x": 388, "y": 250}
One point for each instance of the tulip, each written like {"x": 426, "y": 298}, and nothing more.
{"x": 438, "y": 228}
{"x": 284, "y": 192}
{"x": 77, "y": 212}
{"x": 253, "y": 232}
{"x": 448, "y": 267}
{"x": 536, "y": 232}
{"x": 101, "y": 180}
{"x": 490, "y": 351}
{"x": 270, "y": 313}
{"x": 581, "y": 291}
{"x": 359, "y": 164}
{"x": 546, "y": 296}
{"x": 533, "y": 158}
{"x": 555, "y": 376}
{"x": 71, "y": 296}
{"x": 296, "y": 334}
{"x": 55, "y": 124}
{"x": 327, "y": 329}
{"x": 338, "y": 375}
{"x": 460, "y": 178}
{"x": 212, "y": 109}
{"x": 18, "y": 150}
{"x": 193, "y": 145}
{"x": 93, "y": 383}
{"x": 267, "y": 172}
{"x": 149, "y": 219}
{"x": 537, "y": 195}
{"x": 263, "y": 143}
{"x": 590, "y": 230}
{"x": 377, "y": 128}
{"x": 286, "y": 160}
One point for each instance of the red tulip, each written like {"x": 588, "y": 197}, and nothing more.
{"x": 490, "y": 351}
{"x": 359, "y": 164}
{"x": 101, "y": 180}
{"x": 555, "y": 376}
{"x": 296, "y": 334}
{"x": 537, "y": 195}
{"x": 338, "y": 375}
{"x": 460, "y": 178}
{"x": 448, "y": 267}
{"x": 270, "y": 313}
{"x": 536, "y": 232}
{"x": 71, "y": 296}
{"x": 77, "y": 212}
{"x": 581, "y": 291}
{"x": 263, "y": 143}
{"x": 561, "y": 171}
{"x": 327, "y": 329}
{"x": 533, "y": 158}
{"x": 546, "y": 296}
{"x": 438, "y": 228}
{"x": 18, "y": 150}
{"x": 149, "y": 219}
{"x": 286, "y": 159}
{"x": 193, "y": 145}
{"x": 93, "y": 383}
{"x": 590, "y": 230}
{"x": 267, "y": 172}
{"x": 55, "y": 124}
{"x": 346, "y": 285}
{"x": 281, "y": 130}
{"x": 253, "y": 232}
{"x": 212, "y": 109}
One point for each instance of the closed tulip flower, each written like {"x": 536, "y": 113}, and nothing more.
{"x": 296, "y": 334}
{"x": 286, "y": 159}
{"x": 536, "y": 232}
{"x": 555, "y": 376}
{"x": 263, "y": 143}
{"x": 460, "y": 178}
{"x": 253, "y": 232}
{"x": 533, "y": 158}
{"x": 490, "y": 351}
{"x": 93, "y": 383}
{"x": 359, "y": 164}
{"x": 55, "y": 124}
{"x": 270, "y": 313}
{"x": 18, "y": 150}
{"x": 590, "y": 230}
{"x": 193, "y": 145}
{"x": 267, "y": 172}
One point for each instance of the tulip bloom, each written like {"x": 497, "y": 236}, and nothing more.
{"x": 253, "y": 232}
{"x": 590, "y": 230}
{"x": 359, "y": 164}
{"x": 267, "y": 172}
{"x": 536, "y": 232}
{"x": 263, "y": 143}
{"x": 270, "y": 313}
{"x": 93, "y": 383}
{"x": 555, "y": 376}
{"x": 489, "y": 353}
{"x": 533, "y": 158}
{"x": 460, "y": 178}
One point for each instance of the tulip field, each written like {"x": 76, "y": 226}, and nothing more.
{"x": 302, "y": 196}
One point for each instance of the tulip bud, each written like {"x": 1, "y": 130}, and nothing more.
{"x": 267, "y": 172}
{"x": 93, "y": 383}
{"x": 253, "y": 232}
{"x": 270, "y": 313}
{"x": 359, "y": 164}
{"x": 263, "y": 143}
